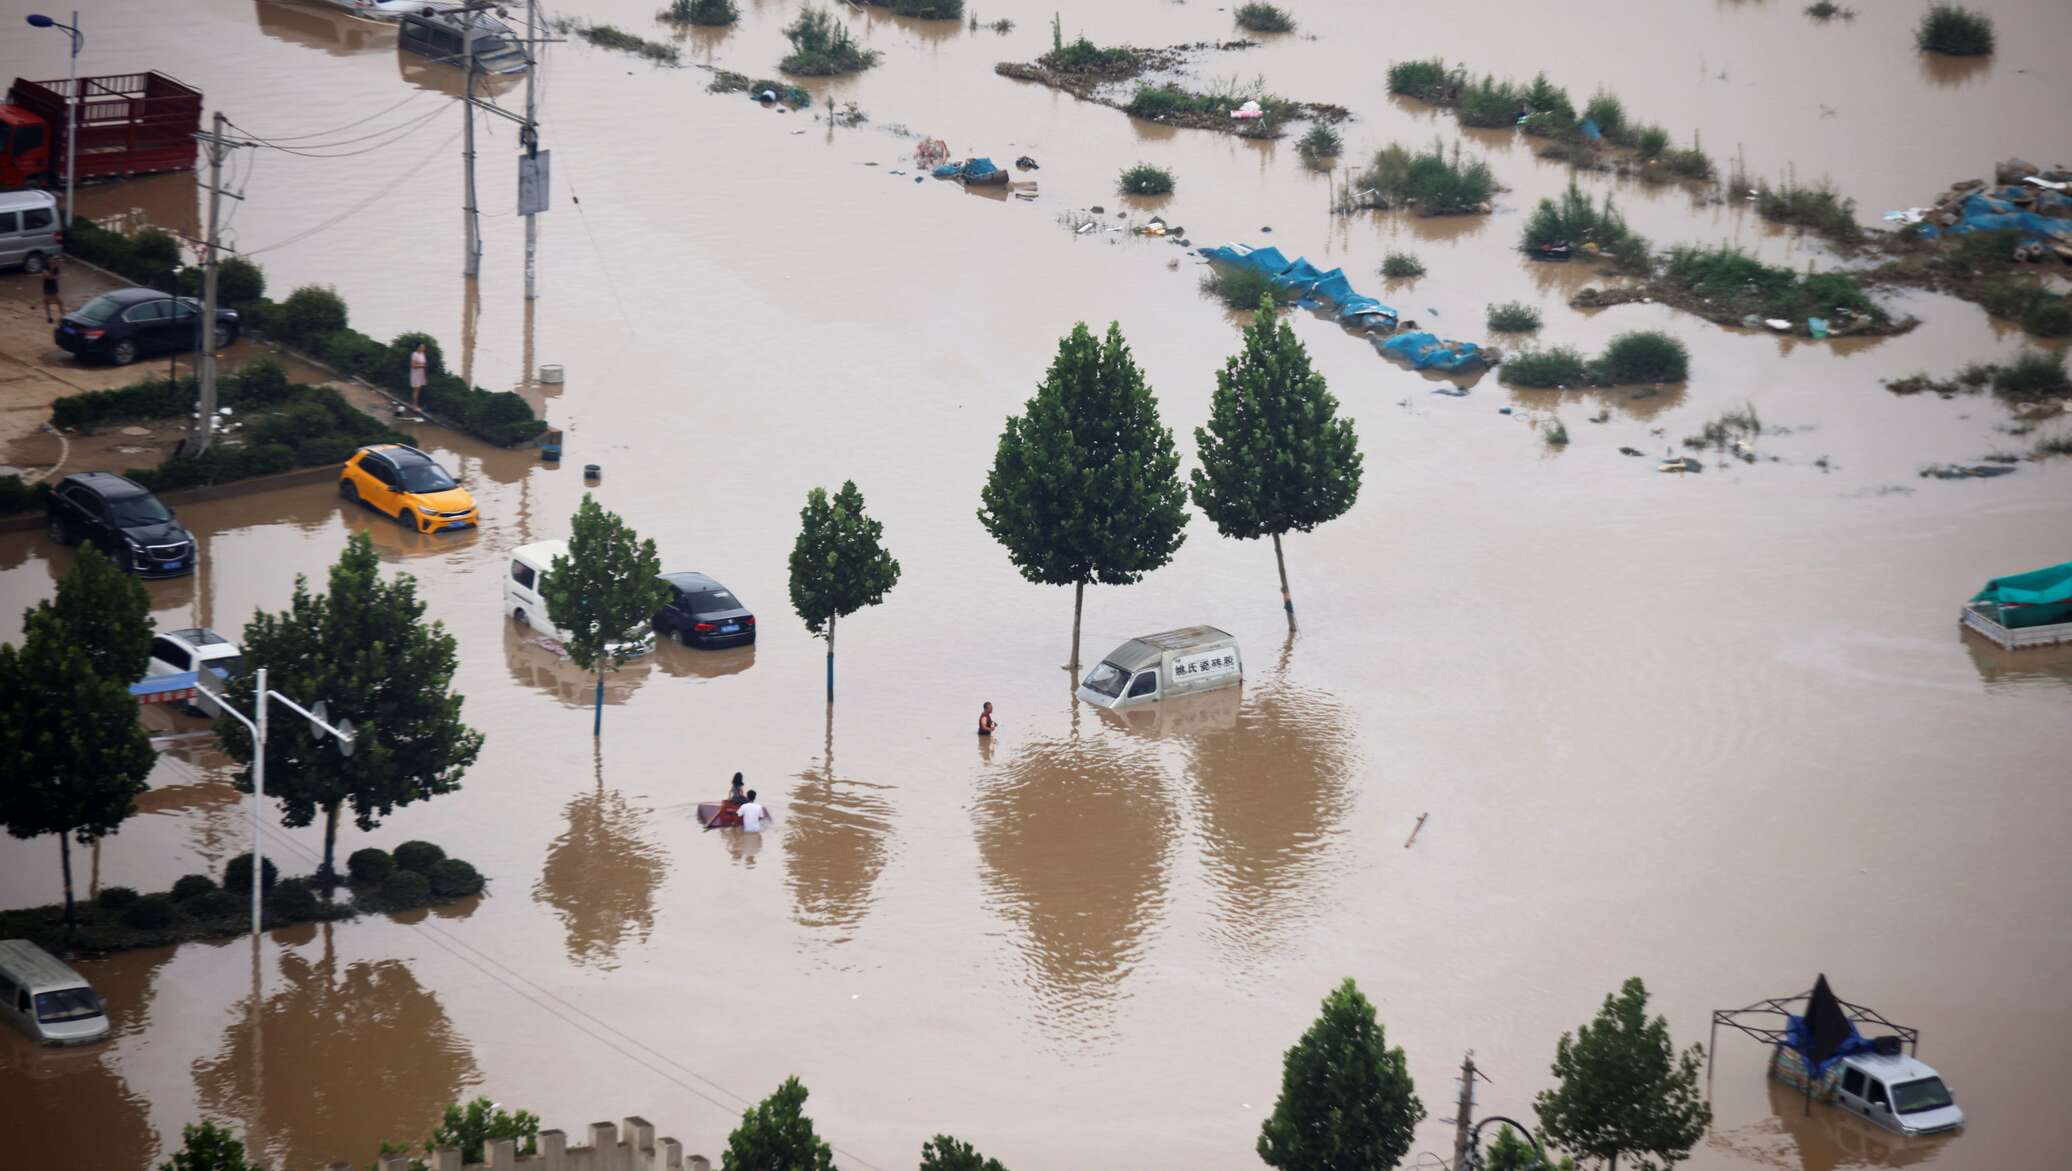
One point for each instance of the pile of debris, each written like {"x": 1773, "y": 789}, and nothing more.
{"x": 2036, "y": 201}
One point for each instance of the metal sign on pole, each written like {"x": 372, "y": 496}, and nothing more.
{"x": 533, "y": 185}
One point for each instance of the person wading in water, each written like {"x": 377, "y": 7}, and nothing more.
{"x": 985, "y": 720}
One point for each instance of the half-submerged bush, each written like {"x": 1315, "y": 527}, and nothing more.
{"x": 1083, "y": 55}
{"x": 1573, "y": 219}
{"x": 924, "y": 9}
{"x": 1513, "y": 317}
{"x": 452, "y": 878}
{"x": 1740, "y": 284}
{"x": 822, "y": 47}
{"x": 1241, "y": 287}
{"x": 1643, "y": 356}
{"x": 1489, "y": 103}
{"x": 703, "y": 12}
{"x": 1320, "y": 145}
{"x": 1145, "y": 179}
{"x": 2036, "y": 374}
{"x": 369, "y": 864}
{"x": 1427, "y": 79}
{"x": 1435, "y": 182}
{"x": 1556, "y": 366}
{"x": 611, "y": 36}
{"x": 1399, "y": 266}
{"x": 1954, "y": 29}
{"x": 1264, "y": 18}
{"x": 405, "y": 889}
{"x": 418, "y": 856}
{"x": 188, "y": 886}
{"x": 237, "y": 873}
{"x": 1819, "y": 209}
{"x": 1827, "y": 10}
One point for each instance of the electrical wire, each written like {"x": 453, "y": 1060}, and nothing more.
{"x": 363, "y": 204}
{"x": 348, "y": 126}
{"x": 395, "y": 134}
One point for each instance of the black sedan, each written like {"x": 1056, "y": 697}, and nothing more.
{"x": 703, "y": 613}
{"x": 128, "y": 324}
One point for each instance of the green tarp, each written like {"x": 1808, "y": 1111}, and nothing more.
{"x": 2040, "y": 597}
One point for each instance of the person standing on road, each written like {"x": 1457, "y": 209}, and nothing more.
{"x": 419, "y": 360}
{"x": 51, "y": 299}
{"x": 753, "y": 815}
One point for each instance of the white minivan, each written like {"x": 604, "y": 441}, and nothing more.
{"x": 1151, "y": 667}
{"x": 527, "y": 606}
{"x": 29, "y": 230}
{"x": 1898, "y": 1093}
{"x": 46, "y": 999}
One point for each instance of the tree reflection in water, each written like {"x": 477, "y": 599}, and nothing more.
{"x": 343, "y": 1060}
{"x": 1074, "y": 838}
{"x": 834, "y": 846}
{"x": 601, "y": 875}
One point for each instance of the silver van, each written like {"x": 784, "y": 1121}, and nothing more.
{"x": 29, "y": 234}
{"x": 1151, "y": 667}
{"x": 46, "y": 999}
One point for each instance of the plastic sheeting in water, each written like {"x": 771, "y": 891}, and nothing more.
{"x": 980, "y": 167}
{"x": 1427, "y": 352}
{"x": 1824, "y": 1035}
{"x": 2040, "y": 597}
{"x": 948, "y": 171}
{"x": 1304, "y": 278}
{"x": 1990, "y": 210}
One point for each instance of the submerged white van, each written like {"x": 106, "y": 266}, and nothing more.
{"x": 46, "y": 999}
{"x": 1151, "y": 667}
{"x": 527, "y": 606}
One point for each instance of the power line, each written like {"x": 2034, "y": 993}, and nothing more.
{"x": 348, "y": 126}
{"x": 363, "y": 204}
{"x": 390, "y": 135}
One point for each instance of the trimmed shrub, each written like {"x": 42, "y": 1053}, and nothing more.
{"x": 1643, "y": 356}
{"x": 151, "y": 913}
{"x": 1954, "y": 29}
{"x": 1513, "y": 317}
{"x": 369, "y": 865}
{"x": 216, "y": 904}
{"x": 1558, "y": 366}
{"x": 115, "y": 898}
{"x": 418, "y": 856}
{"x": 1145, "y": 179}
{"x": 405, "y": 889}
{"x": 293, "y": 899}
{"x": 1399, "y": 266}
{"x": 237, "y": 873}
{"x": 452, "y": 878}
{"x": 155, "y": 250}
{"x": 308, "y": 314}
{"x": 196, "y": 884}
{"x": 1264, "y": 18}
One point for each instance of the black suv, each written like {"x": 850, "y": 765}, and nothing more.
{"x": 125, "y": 520}
{"x": 127, "y": 324}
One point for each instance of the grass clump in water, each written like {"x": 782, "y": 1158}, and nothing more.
{"x": 2058, "y": 444}
{"x": 1610, "y": 115}
{"x": 1551, "y": 368}
{"x": 1956, "y": 30}
{"x": 1427, "y": 80}
{"x": 1145, "y": 179}
{"x": 1825, "y": 11}
{"x": 2037, "y": 374}
{"x": 609, "y": 36}
{"x": 1265, "y": 18}
{"x": 1319, "y": 146}
{"x": 1513, "y": 317}
{"x": 1643, "y": 356}
{"x": 822, "y": 47}
{"x": 1240, "y": 287}
{"x": 1489, "y": 103}
{"x": 2038, "y": 310}
{"x": 924, "y": 9}
{"x": 1555, "y": 433}
{"x": 1402, "y": 266}
{"x": 709, "y": 13}
{"x": 1741, "y": 284}
{"x": 1730, "y": 425}
{"x": 1817, "y": 209}
{"x": 1573, "y": 219}
{"x": 1435, "y": 182}
{"x": 1082, "y": 56}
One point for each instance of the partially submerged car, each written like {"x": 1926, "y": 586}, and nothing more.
{"x": 124, "y": 519}
{"x": 703, "y": 613}
{"x": 43, "y": 997}
{"x": 196, "y": 650}
{"x": 525, "y": 600}
{"x": 402, "y": 482}
{"x": 1173, "y": 663}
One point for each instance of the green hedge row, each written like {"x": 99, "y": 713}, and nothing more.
{"x": 15, "y": 496}
{"x": 313, "y": 319}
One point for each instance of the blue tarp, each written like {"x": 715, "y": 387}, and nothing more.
{"x": 1799, "y": 1036}
{"x": 1427, "y": 352}
{"x": 1302, "y": 277}
{"x": 160, "y": 684}
{"x": 980, "y": 167}
{"x": 1590, "y": 130}
{"x": 1990, "y": 210}
{"x": 949, "y": 170}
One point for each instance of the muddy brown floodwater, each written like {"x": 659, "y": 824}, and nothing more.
{"x": 1718, "y": 731}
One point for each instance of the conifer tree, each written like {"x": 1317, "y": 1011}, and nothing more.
{"x": 1085, "y": 485}
{"x": 1275, "y": 456}
{"x": 1347, "y": 1102}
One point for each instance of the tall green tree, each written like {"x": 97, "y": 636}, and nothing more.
{"x": 604, "y": 593}
{"x": 72, "y": 755}
{"x": 106, "y": 614}
{"x": 1275, "y": 456}
{"x": 776, "y": 1135}
{"x": 1085, "y": 485}
{"x": 1624, "y": 1091}
{"x": 838, "y": 565}
{"x": 208, "y": 1147}
{"x": 363, "y": 648}
{"x": 1347, "y": 1102}
{"x": 944, "y": 1153}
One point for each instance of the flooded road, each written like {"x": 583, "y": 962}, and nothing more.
{"x": 1718, "y": 731}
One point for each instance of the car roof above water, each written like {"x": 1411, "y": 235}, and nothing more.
{"x": 36, "y": 969}
{"x": 1891, "y": 1070}
{"x": 198, "y": 636}
{"x": 691, "y": 579}
{"x": 1145, "y": 650}
{"x": 108, "y": 485}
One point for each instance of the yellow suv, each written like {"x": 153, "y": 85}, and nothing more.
{"x": 409, "y": 485}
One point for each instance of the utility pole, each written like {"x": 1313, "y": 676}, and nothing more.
{"x": 532, "y": 147}
{"x": 469, "y": 214}
{"x": 1464, "y": 1113}
{"x": 205, "y": 342}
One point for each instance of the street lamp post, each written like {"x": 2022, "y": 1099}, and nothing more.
{"x": 318, "y": 724}
{"x": 71, "y": 100}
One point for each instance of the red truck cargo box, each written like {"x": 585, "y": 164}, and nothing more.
{"x": 129, "y": 123}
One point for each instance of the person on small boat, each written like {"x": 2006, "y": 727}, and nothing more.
{"x": 736, "y": 795}
{"x": 728, "y": 813}
{"x": 985, "y": 720}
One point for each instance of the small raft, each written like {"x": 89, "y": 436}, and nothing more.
{"x": 717, "y": 815}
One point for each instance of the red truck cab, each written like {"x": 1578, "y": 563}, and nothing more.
{"x": 129, "y": 124}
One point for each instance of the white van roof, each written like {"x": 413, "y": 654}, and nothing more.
{"x": 1144, "y": 650}
{"x": 29, "y": 197}
{"x": 1892, "y": 1071}
{"x": 36, "y": 969}
{"x": 541, "y": 553}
